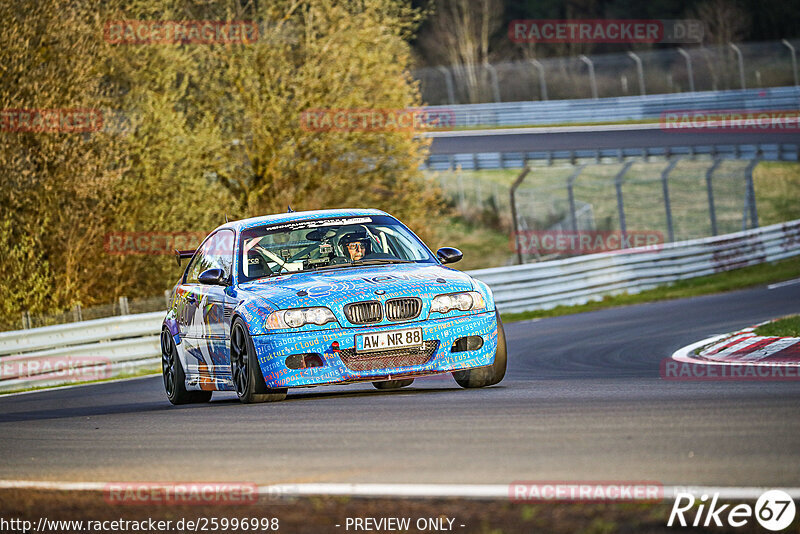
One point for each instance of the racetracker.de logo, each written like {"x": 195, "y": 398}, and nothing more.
{"x": 585, "y": 241}
{"x": 774, "y": 121}
{"x": 605, "y": 31}
{"x": 151, "y": 243}
{"x": 51, "y": 120}
{"x": 586, "y": 491}
{"x": 188, "y": 493}
{"x": 141, "y": 32}
{"x": 61, "y": 368}
{"x": 376, "y": 120}
{"x": 682, "y": 371}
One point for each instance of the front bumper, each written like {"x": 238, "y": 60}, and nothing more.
{"x": 273, "y": 349}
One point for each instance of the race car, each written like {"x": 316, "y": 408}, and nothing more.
{"x": 324, "y": 297}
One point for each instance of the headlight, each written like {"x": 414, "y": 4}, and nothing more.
{"x": 468, "y": 301}
{"x": 299, "y": 317}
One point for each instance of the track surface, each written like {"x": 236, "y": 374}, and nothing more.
{"x": 582, "y": 401}
{"x": 601, "y": 138}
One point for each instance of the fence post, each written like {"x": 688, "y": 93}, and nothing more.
{"x": 542, "y": 82}
{"x": 592, "y": 79}
{"x": 620, "y": 205}
{"x": 710, "y": 190}
{"x": 571, "y": 195}
{"x": 167, "y": 295}
{"x": 448, "y": 82}
{"x": 495, "y": 84}
{"x": 512, "y": 198}
{"x": 639, "y": 71}
{"x": 794, "y": 59}
{"x": 123, "y": 305}
{"x": 751, "y": 194}
{"x": 667, "y": 206}
{"x": 741, "y": 64}
{"x": 689, "y": 72}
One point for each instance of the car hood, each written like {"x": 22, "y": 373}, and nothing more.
{"x": 336, "y": 287}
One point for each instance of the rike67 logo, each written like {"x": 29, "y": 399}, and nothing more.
{"x": 774, "y": 510}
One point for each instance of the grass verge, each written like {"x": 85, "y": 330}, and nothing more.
{"x": 755, "y": 275}
{"x": 786, "y": 327}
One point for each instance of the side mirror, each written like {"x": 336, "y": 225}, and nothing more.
{"x": 449, "y": 255}
{"x": 213, "y": 277}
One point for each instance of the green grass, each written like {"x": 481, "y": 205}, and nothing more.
{"x": 786, "y": 327}
{"x": 755, "y": 275}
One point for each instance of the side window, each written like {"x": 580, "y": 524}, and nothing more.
{"x": 216, "y": 253}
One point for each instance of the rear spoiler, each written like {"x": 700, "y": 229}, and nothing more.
{"x": 180, "y": 254}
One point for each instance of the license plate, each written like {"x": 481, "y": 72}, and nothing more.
{"x": 394, "y": 339}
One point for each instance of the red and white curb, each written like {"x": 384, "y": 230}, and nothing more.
{"x": 742, "y": 348}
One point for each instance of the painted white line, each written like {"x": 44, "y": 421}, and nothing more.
{"x": 545, "y": 130}
{"x": 784, "y": 284}
{"x": 464, "y": 491}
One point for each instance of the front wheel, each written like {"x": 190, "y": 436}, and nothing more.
{"x": 174, "y": 376}
{"x": 488, "y": 375}
{"x": 245, "y": 371}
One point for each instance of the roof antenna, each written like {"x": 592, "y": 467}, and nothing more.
{"x": 290, "y": 209}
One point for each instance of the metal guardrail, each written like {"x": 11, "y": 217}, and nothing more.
{"x": 584, "y": 278}
{"x": 122, "y": 344}
{"x": 627, "y": 108}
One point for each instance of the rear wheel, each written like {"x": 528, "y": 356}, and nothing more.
{"x": 491, "y": 374}
{"x": 245, "y": 371}
{"x": 174, "y": 376}
{"x": 393, "y": 384}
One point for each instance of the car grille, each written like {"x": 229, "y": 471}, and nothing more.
{"x": 364, "y": 312}
{"x": 403, "y": 308}
{"x": 388, "y": 359}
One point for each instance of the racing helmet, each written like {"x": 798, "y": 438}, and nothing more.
{"x": 358, "y": 236}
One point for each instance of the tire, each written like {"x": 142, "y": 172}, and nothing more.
{"x": 245, "y": 371}
{"x": 393, "y": 384}
{"x": 174, "y": 376}
{"x": 489, "y": 375}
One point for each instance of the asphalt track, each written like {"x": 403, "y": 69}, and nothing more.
{"x": 597, "y": 138}
{"x": 582, "y": 401}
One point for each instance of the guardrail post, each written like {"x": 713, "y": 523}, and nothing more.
{"x": 794, "y": 59}
{"x": 639, "y": 71}
{"x": 571, "y": 195}
{"x": 448, "y": 82}
{"x": 741, "y": 64}
{"x": 751, "y": 194}
{"x": 512, "y": 198}
{"x": 167, "y": 295}
{"x": 495, "y": 83}
{"x": 712, "y": 213}
{"x": 26, "y": 320}
{"x": 689, "y": 72}
{"x": 542, "y": 82}
{"x": 123, "y": 305}
{"x": 77, "y": 315}
{"x": 592, "y": 78}
{"x": 620, "y": 205}
{"x": 667, "y": 205}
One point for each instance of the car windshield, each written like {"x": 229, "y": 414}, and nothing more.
{"x": 328, "y": 244}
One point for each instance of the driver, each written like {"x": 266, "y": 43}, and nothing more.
{"x": 357, "y": 245}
